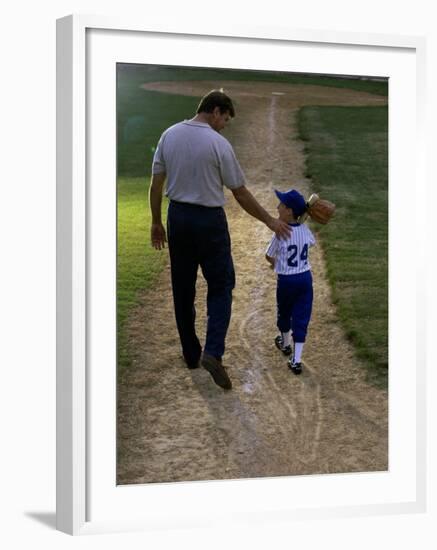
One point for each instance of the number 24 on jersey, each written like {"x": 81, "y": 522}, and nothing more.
{"x": 303, "y": 256}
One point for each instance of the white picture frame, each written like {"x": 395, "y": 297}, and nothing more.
{"x": 76, "y": 351}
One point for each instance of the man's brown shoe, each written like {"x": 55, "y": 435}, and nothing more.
{"x": 217, "y": 371}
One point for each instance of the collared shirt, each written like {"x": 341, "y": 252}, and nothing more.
{"x": 198, "y": 162}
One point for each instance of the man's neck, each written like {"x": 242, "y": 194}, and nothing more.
{"x": 201, "y": 117}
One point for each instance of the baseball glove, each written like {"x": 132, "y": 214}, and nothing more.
{"x": 320, "y": 210}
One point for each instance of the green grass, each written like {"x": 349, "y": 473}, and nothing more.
{"x": 138, "y": 264}
{"x": 136, "y": 74}
{"x": 347, "y": 160}
{"x": 143, "y": 115}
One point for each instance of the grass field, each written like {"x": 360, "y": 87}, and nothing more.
{"x": 141, "y": 122}
{"x": 347, "y": 152}
{"x": 143, "y": 115}
{"x": 347, "y": 161}
{"x": 138, "y": 265}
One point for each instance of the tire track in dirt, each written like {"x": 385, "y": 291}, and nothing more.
{"x": 175, "y": 424}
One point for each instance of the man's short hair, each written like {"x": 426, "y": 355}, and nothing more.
{"x": 213, "y": 99}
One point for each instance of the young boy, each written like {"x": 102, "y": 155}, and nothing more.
{"x": 294, "y": 293}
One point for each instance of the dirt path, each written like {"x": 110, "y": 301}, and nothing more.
{"x": 175, "y": 424}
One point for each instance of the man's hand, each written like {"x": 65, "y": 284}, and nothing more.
{"x": 158, "y": 236}
{"x": 282, "y": 229}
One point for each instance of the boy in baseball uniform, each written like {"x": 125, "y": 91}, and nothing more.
{"x": 289, "y": 258}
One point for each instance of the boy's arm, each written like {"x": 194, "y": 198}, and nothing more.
{"x": 311, "y": 239}
{"x": 271, "y": 251}
{"x": 271, "y": 261}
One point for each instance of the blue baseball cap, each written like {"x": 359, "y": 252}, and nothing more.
{"x": 294, "y": 200}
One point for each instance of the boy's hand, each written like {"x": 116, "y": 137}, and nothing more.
{"x": 271, "y": 262}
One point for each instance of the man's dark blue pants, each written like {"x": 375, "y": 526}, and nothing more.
{"x": 199, "y": 236}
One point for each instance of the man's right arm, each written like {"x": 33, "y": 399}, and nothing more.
{"x": 157, "y": 233}
{"x": 248, "y": 202}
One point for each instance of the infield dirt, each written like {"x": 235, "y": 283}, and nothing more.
{"x": 175, "y": 424}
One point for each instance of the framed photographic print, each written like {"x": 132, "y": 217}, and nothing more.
{"x": 142, "y": 440}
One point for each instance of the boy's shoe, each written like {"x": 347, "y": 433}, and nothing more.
{"x": 296, "y": 368}
{"x": 286, "y": 350}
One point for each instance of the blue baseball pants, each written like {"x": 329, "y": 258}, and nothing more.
{"x": 294, "y": 297}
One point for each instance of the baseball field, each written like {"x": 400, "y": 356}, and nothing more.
{"x": 314, "y": 134}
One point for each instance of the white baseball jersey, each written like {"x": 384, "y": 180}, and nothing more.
{"x": 291, "y": 255}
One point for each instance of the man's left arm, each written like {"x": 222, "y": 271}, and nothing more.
{"x": 157, "y": 233}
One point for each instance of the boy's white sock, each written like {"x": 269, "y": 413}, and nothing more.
{"x": 286, "y": 338}
{"x": 298, "y": 348}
